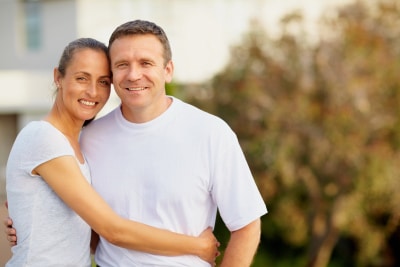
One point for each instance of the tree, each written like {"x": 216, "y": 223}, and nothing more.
{"x": 320, "y": 126}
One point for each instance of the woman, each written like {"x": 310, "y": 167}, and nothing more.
{"x": 50, "y": 199}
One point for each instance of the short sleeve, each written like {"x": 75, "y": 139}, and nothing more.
{"x": 37, "y": 143}
{"x": 234, "y": 189}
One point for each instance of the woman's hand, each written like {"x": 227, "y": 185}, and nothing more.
{"x": 210, "y": 251}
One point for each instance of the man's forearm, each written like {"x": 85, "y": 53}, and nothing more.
{"x": 242, "y": 246}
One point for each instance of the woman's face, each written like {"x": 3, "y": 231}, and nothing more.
{"x": 85, "y": 87}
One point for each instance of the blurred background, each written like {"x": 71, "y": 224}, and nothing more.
{"x": 311, "y": 87}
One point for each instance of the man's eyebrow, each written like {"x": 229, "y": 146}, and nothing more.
{"x": 147, "y": 59}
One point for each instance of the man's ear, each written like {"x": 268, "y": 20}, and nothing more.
{"x": 169, "y": 71}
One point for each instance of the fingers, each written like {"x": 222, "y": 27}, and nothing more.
{"x": 11, "y": 236}
{"x": 10, "y": 232}
{"x": 212, "y": 258}
{"x": 8, "y": 222}
{"x": 217, "y": 253}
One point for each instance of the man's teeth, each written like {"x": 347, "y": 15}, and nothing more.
{"x": 87, "y": 103}
{"x": 136, "y": 88}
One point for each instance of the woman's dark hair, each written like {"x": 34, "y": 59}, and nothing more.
{"x": 78, "y": 44}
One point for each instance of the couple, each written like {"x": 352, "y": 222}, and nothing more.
{"x": 155, "y": 160}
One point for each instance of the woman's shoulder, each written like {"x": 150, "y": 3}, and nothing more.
{"x": 41, "y": 130}
{"x": 39, "y": 141}
{"x": 41, "y": 135}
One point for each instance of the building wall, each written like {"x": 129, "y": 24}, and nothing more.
{"x": 58, "y": 26}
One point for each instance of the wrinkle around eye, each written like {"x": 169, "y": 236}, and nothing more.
{"x": 147, "y": 64}
{"x": 121, "y": 65}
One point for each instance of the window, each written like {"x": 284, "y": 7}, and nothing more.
{"x": 33, "y": 24}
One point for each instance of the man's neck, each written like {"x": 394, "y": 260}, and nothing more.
{"x": 146, "y": 114}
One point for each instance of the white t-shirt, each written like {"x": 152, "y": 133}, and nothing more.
{"x": 172, "y": 173}
{"x": 49, "y": 232}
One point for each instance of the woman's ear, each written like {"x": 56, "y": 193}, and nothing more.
{"x": 57, "y": 77}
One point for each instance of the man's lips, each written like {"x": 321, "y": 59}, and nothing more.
{"x": 136, "y": 88}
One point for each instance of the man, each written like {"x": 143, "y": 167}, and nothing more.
{"x": 160, "y": 161}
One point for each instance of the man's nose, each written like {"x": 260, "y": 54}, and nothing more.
{"x": 134, "y": 73}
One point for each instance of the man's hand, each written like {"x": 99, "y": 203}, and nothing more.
{"x": 10, "y": 232}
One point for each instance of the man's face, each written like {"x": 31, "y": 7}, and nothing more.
{"x": 139, "y": 73}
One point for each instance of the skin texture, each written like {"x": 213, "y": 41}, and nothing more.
{"x": 242, "y": 246}
{"x": 137, "y": 62}
{"x": 9, "y": 231}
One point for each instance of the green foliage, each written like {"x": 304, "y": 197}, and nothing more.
{"x": 320, "y": 125}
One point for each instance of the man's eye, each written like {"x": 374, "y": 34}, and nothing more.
{"x": 122, "y": 65}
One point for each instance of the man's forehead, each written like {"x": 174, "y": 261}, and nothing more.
{"x": 139, "y": 40}
{"x": 136, "y": 46}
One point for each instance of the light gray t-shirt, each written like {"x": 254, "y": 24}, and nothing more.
{"x": 49, "y": 232}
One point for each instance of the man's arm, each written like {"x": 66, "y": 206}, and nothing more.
{"x": 10, "y": 232}
{"x": 242, "y": 246}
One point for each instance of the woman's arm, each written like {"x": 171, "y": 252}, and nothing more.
{"x": 65, "y": 178}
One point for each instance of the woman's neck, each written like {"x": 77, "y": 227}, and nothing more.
{"x": 69, "y": 127}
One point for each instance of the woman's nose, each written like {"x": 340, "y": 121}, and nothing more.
{"x": 91, "y": 90}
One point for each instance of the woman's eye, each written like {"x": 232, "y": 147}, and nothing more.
{"x": 105, "y": 82}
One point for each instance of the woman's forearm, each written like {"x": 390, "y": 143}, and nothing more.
{"x": 141, "y": 237}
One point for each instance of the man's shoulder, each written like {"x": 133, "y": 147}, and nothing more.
{"x": 199, "y": 120}
{"x": 192, "y": 110}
